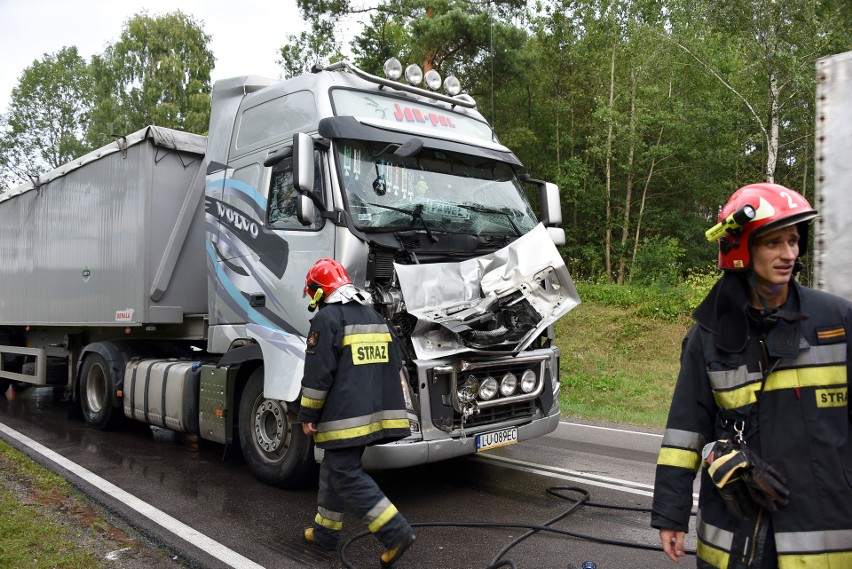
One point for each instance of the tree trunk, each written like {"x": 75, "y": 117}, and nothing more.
{"x": 772, "y": 142}
{"x": 608, "y": 237}
{"x": 625, "y": 230}
{"x": 642, "y": 203}
{"x": 641, "y": 213}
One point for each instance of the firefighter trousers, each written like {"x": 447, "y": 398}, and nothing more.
{"x": 344, "y": 486}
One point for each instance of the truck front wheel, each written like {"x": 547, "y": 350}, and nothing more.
{"x": 275, "y": 448}
{"x": 97, "y": 393}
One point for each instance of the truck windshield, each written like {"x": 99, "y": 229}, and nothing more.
{"x": 434, "y": 190}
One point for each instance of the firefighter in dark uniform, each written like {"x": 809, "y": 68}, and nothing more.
{"x": 761, "y": 404}
{"x": 351, "y": 397}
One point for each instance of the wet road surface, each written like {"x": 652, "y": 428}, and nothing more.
{"x": 209, "y": 490}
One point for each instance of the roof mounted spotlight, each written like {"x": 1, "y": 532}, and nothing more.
{"x": 414, "y": 75}
{"x": 452, "y": 85}
{"x": 433, "y": 80}
{"x": 393, "y": 69}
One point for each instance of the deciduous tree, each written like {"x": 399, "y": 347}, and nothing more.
{"x": 47, "y": 117}
{"x": 158, "y": 72}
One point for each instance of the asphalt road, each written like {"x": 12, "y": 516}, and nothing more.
{"x": 201, "y": 502}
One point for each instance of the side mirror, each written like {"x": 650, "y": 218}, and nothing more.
{"x": 557, "y": 235}
{"x": 551, "y": 206}
{"x": 303, "y": 163}
{"x": 306, "y": 212}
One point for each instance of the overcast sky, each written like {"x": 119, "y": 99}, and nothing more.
{"x": 246, "y": 34}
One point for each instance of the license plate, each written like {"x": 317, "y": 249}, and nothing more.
{"x": 494, "y": 439}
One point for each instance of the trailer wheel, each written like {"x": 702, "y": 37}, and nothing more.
{"x": 97, "y": 393}
{"x": 275, "y": 448}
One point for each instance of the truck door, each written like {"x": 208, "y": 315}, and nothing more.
{"x": 303, "y": 244}
{"x": 262, "y": 251}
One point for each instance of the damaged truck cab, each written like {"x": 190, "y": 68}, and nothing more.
{"x": 406, "y": 187}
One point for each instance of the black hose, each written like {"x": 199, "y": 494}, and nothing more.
{"x": 553, "y": 490}
{"x": 496, "y": 563}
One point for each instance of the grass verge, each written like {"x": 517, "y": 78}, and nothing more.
{"x": 45, "y": 523}
{"x": 617, "y": 364}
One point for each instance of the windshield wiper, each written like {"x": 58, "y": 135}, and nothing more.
{"x": 416, "y": 213}
{"x": 483, "y": 209}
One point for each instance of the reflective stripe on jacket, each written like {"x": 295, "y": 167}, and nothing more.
{"x": 351, "y": 387}
{"x": 793, "y": 411}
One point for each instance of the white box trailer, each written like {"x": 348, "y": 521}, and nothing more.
{"x": 160, "y": 278}
{"x": 833, "y": 173}
{"x": 110, "y": 239}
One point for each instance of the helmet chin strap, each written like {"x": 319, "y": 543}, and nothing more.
{"x": 768, "y": 313}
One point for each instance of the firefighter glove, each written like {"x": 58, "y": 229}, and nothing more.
{"x": 766, "y": 485}
{"x": 740, "y": 474}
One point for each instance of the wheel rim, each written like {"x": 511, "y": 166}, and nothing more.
{"x": 96, "y": 388}
{"x": 272, "y": 429}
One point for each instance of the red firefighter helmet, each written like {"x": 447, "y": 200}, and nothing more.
{"x": 326, "y": 276}
{"x": 755, "y": 209}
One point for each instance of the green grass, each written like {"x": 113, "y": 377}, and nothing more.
{"x": 619, "y": 356}
{"x": 29, "y": 536}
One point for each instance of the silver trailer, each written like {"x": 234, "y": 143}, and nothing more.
{"x": 160, "y": 278}
{"x": 833, "y": 173}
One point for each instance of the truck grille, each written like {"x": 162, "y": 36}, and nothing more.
{"x": 523, "y": 410}
{"x": 450, "y": 394}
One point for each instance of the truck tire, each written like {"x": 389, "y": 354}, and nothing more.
{"x": 275, "y": 448}
{"x": 97, "y": 393}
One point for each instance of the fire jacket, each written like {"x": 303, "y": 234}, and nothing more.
{"x": 784, "y": 385}
{"x": 351, "y": 388}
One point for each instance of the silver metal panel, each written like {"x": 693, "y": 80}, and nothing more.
{"x": 283, "y": 361}
{"x": 833, "y": 243}
{"x": 83, "y": 247}
{"x": 213, "y": 403}
{"x": 40, "y": 377}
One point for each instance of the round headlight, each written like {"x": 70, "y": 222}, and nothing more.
{"x": 467, "y": 392}
{"x": 452, "y": 85}
{"x": 528, "y": 381}
{"x": 433, "y": 80}
{"x": 488, "y": 389}
{"x": 508, "y": 384}
{"x": 393, "y": 69}
{"x": 413, "y": 74}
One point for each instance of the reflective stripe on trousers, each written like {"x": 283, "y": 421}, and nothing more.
{"x": 344, "y": 486}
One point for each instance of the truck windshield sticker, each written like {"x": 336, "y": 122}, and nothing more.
{"x": 421, "y": 117}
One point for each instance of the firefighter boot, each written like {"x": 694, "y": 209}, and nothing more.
{"x": 392, "y": 555}
{"x": 312, "y": 537}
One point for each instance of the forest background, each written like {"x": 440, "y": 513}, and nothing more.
{"x": 647, "y": 113}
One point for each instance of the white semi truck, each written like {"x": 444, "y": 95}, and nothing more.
{"x": 833, "y": 175}
{"x": 160, "y": 278}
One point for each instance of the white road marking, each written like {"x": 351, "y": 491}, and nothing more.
{"x": 618, "y": 484}
{"x": 178, "y": 528}
{"x": 627, "y": 431}
{"x": 572, "y": 475}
